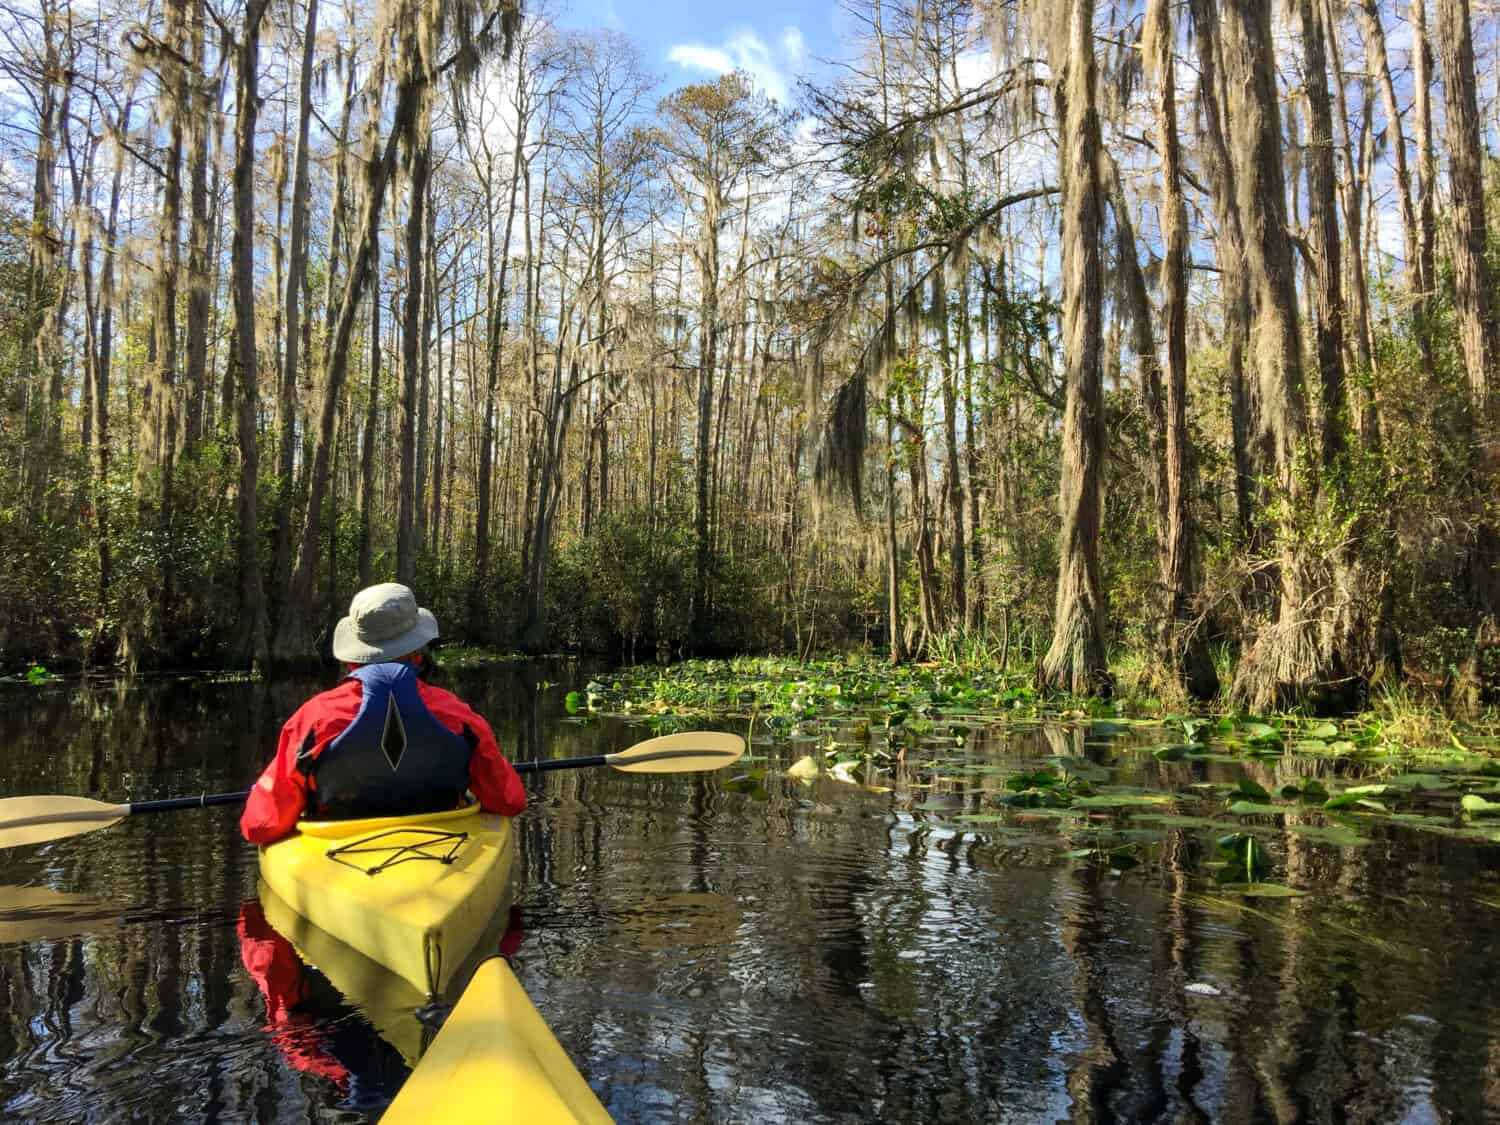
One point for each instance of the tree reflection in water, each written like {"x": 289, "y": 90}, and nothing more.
{"x": 761, "y": 949}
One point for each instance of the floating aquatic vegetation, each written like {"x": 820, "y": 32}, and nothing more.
{"x": 960, "y": 749}
{"x": 1475, "y": 806}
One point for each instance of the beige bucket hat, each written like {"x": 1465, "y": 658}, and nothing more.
{"x": 384, "y": 623}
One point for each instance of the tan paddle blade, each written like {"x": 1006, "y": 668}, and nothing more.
{"x": 42, "y": 914}
{"x": 689, "y": 752}
{"x": 35, "y": 820}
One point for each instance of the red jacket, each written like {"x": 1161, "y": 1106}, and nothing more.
{"x": 280, "y": 796}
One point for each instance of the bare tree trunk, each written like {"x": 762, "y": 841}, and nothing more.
{"x": 1361, "y": 349}
{"x": 1289, "y": 659}
{"x": 158, "y": 417}
{"x": 1368, "y": 601}
{"x": 81, "y": 174}
{"x": 899, "y": 652}
{"x": 1322, "y": 201}
{"x": 372, "y": 424}
{"x": 910, "y": 405}
{"x": 1077, "y": 660}
{"x": 708, "y": 343}
{"x": 200, "y": 237}
{"x": 451, "y": 464}
{"x": 338, "y": 233}
{"x": 1473, "y": 294}
{"x": 1229, "y": 250}
{"x": 953, "y": 489}
{"x": 496, "y": 322}
{"x": 1187, "y": 645}
{"x": 100, "y": 398}
{"x": 977, "y": 481}
{"x": 1143, "y": 342}
{"x": 1421, "y": 55}
{"x": 295, "y": 621}
{"x": 424, "y": 379}
{"x": 1376, "y": 60}
{"x": 419, "y": 167}
{"x": 249, "y": 647}
{"x": 39, "y": 355}
{"x": 436, "y": 527}
{"x": 161, "y": 416}
{"x": 296, "y": 273}
{"x": 533, "y": 361}
{"x": 1471, "y": 275}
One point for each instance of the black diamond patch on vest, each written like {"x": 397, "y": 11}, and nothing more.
{"x": 393, "y": 738}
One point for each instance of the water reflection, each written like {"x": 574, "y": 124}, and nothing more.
{"x": 757, "y": 949}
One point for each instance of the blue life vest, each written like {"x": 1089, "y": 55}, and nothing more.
{"x": 395, "y": 758}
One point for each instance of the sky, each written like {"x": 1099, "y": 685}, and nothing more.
{"x": 776, "y": 41}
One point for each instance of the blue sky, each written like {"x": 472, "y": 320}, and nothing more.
{"x": 685, "y": 41}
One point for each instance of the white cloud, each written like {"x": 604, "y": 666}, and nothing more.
{"x": 794, "y": 46}
{"x": 975, "y": 68}
{"x": 695, "y": 57}
{"x": 772, "y": 71}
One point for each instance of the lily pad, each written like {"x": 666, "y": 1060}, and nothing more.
{"x": 1418, "y": 781}
{"x": 1121, "y": 800}
{"x": 1339, "y": 835}
{"x": 1251, "y": 790}
{"x": 1475, "y": 805}
{"x": 1253, "y": 808}
{"x": 803, "y": 769}
{"x": 1081, "y": 767}
{"x": 1173, "y": 820}
{"x": 1306, "y": 789}
{"x": 1261, "y": 890}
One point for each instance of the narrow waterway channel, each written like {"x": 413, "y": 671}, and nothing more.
{"x": 749, "y": 946}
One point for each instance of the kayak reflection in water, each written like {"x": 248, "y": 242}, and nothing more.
{"x": 304, "y": 1019}
{"x": 336, "y": 1049}
{"x": 384, "y": 742}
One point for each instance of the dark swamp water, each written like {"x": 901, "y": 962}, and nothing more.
{"x": 760, "y": 949}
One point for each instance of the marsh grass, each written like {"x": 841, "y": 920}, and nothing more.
{"x": 975, "y": 650}
{"x": 1403, "y": 715}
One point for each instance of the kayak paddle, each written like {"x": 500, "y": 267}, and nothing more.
{"x": 35, "y": 820}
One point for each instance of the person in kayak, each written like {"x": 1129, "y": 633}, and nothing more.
{"x": 384, "y": 742}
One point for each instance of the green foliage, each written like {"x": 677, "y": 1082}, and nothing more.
{"x": 627, "y": 585}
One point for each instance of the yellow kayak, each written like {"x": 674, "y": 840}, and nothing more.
{"x": 389, "y": 1002}
{"x": 496, "y": 1060}
{"x": 411, "y": 893}
{"x": 395, "y": 909}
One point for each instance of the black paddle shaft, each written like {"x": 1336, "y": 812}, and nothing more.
{"x": 561, "y": 764}
{"x": 203, "y": 801}
{"x": 173, "y": 804}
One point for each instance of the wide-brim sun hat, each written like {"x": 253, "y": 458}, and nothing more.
{"x": 384, "y": 623}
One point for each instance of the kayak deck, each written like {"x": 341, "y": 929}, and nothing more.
{"x": 412, "y": 893}
{"x": 496, "y": 1060}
